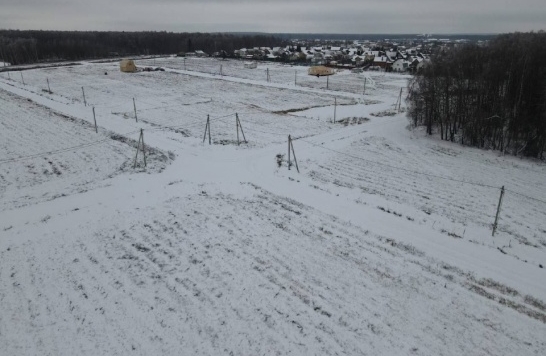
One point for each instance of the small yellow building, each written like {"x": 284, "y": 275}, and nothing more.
{"x": 320, "y": 71}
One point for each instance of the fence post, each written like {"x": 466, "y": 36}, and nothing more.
{"x": 48, "y": 88}
{"x": 21, "y": 72}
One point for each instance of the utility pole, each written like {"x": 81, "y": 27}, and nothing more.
{"x": 498, "y": 211}
{"x": 84, "y": 101}
{"x": 207, "y": 130}
{"x": 335, "y": 107}
{"x": 289, "y": 163}
{"x": 291, "y": 148}
{"x": 95, "y": 119}
{"x": 140, "y": 139}
{"x": 134, "y": 107}
{"x": 239, "y": 126}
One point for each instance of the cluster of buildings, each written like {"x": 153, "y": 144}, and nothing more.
{"x": 396, "y": 55}
{"x": 356, "y": 55}
{"x": 398, "y": 60}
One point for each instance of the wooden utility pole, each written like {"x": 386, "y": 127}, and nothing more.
{"x": 84, "y": 101}
{"x": 268, "y": 78}
{"x": 289, "y": 163}
{"x": 95, "y": 119}
{"x": 137, "y": 148}
{"x": 22, "y": 80}
{"x": 498, "y": 211}
{"x": 398, "y": 101}
{"x": 335, "y": 108}
{"x": 291, "y": 148}
{"x": 143, "y": 147}
{"x": 207, "y": 130}
{"x": 184, "y": 63}
{"x": 140, "y": 139}
{"x": 48, "y": 88}
{"x": 327, "y": 81}
{"x": 364, "y": 92}
{"x": 239, "y": 126}
{"x": 134, "y": 107}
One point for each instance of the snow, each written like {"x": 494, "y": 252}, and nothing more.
{"x": 378, "y": 246}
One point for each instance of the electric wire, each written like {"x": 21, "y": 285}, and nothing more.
{"x": 397, "y": 168}
{"x": 61, "y": 150}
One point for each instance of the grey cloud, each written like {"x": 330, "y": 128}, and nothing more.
{"x": 339, "y": 16}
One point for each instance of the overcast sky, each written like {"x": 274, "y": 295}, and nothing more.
{"x": 323, "y": 16}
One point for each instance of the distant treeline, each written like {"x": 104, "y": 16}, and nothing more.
{"x": 23, "y": 47}
{"x": 491, "y": 97}
{"x": 376, "y": 37}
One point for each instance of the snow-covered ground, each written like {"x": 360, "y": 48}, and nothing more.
{"x": 380, "y": 245}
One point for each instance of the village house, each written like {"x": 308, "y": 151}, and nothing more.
{"x": 400, "y": 65}
{"x": 382, "y": 62}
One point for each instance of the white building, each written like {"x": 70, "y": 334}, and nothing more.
{"x": 400, "y": 65}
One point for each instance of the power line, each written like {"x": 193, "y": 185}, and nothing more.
{"x": 399, "y": 168}
{"x": 62, "y": 150}
{"x": 219, "y": 118}
{"x": 525, "y": 196}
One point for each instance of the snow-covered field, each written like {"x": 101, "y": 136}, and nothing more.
{"x": 380, "y": 245}
{"x": 29, "y": 129}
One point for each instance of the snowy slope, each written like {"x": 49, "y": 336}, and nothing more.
{"x": 380, "y": 245}
{"x": 29, "y": 129}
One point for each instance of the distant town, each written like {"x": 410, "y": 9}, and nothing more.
{"x": 398, "y": 55}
